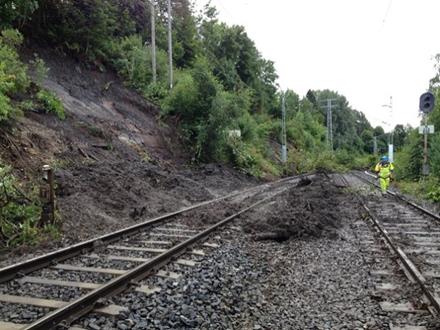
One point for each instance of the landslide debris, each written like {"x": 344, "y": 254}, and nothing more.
{"x": 115, "y": 162}
{"x": 310, "y": 210}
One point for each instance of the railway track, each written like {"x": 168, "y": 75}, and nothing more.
{"x": 410, "y": 283}
{"x": 64, "y": 285}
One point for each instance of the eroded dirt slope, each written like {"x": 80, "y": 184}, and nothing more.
{"x": 116, "y": 162}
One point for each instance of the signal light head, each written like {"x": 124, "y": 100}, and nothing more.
{"x": 427, "y": 102}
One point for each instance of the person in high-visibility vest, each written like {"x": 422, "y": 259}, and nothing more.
{"x": 384, "y": 170}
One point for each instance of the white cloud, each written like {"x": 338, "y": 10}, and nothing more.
{"x": 346, "y": 46}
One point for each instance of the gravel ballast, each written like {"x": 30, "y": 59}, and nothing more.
{"x": 296, "y": 263}
{"x": 303, "y": 261}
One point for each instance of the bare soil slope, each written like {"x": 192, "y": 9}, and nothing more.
{"x": 116, "y": 163}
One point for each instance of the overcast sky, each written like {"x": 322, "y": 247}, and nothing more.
{"x": 367, "y": 50}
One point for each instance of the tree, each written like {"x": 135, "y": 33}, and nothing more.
{"x": 292, "y": 103}
{"x": 399, "y": 136}
{"x": 368, "y": 140}
{"x": 312, "y": 98}
{"x": 16, "y": 12}
{"x": 414, "y": 167}
{"x": 434, "y": 155}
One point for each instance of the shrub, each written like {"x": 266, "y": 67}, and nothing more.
{"x": 200, "y": 103}
{"x": 51, "y": 103}
{"x": 5, "y": 107}
{"x": 156, "y": 92}
{"x": 26, "y": 105}
{"x": 434, "y": 195}
{"x": 182, "y": 97}
{"x": 434, "y": 155}
{"x": 12, "y": 71}
{"x": 132, "y": 60}
{"x": 40, "y": 69}
{"x": 13, "y": 76}
{"x": 306, "y": 161}
{"x": 19, "y": 215}
{"x": 12, "y": 38}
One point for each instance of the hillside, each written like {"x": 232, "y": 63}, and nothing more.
{"x": 116, "y": 162}
{"x": 77, "y": 92}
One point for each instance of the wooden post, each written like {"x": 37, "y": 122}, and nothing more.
{"x": 47, "y": 195}
{"x": 50, "y": 178}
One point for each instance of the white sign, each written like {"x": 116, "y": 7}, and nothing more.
{"x": 234, "y": 133}
{"x": 429, "y": 129}
{"x": 390, "y": 153}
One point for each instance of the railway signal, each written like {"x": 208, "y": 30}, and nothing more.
{"x": 427, "y": 103}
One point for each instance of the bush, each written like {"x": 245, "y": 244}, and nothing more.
{"x": 249, "y": 158}
{"x": 5, "y": 107}
{"x": 200, "y": 103}
{"x": 19, "y": 215}
{"x": 182, "y": 98}
{"x": 409, "y": 159}
{"x": 434, "y": 195}
{"x": 13, "y": 76}
{"x": 51, "y": 103}
{"x": 156, "y": 92}
{"x": 12, "y": 70}
{"x": 434, "y": 155}
{"x": 132, "y": 60}
{"x": 304, "y": 162}
{"x": 40, "y": 69}
{"x": 424, "y": 188}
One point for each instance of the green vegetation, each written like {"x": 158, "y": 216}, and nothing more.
{"x": 51, "y": 103}
{"x": 19, "y": 214}
{"x": 17, "y": 92}
{"x": 40, "y": 70}
{"x": 222, "y": 83}
{"x": 410, "y": 154}
{"x": 13, "y": 76}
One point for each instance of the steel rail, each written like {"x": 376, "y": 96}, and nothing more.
{"x": 408, "y": 264}
{"x": 392, "y": 193}
{"x": 27, "y": 266}
{"x": 84, "y": 304}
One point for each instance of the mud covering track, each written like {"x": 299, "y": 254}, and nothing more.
{"x": 310, "y": 275}
{"x": 313, "y": 209}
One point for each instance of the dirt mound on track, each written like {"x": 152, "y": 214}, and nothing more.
{"x": 306, "y": 211}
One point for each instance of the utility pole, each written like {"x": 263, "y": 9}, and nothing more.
{"x": 170, "y": 46}
{"x": 329, "y": 109}
{"x": 425, "y": 169}
{"x": 153, "y": 42}
{"x": 391, "y": 133}
{"x": 391, "y": 145}
{"x": 283, "y": 129}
